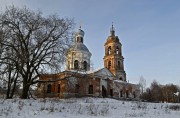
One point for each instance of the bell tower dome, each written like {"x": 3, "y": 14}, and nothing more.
{"x": 113, "y": 59}
{"x": 78, "y": 57}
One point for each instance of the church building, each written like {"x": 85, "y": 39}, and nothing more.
{"x": 79, "y": 81}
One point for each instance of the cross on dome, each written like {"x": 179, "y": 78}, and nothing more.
{"x": 80, "y": 24}
{"x": 112, "y": 30}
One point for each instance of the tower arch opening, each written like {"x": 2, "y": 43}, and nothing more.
{"x": 120, "y": 78}
{"x": 85, "y": 65}
{"x": 79, "y": 39}
{"x": 109, "y": 50}
{"x": 109, "y": 64}
{"x": 118, "y": 64}
{"x": 76, "y": 64}
{"x": 117, "y": 50}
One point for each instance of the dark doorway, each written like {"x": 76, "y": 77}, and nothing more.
{"x": 127, "y": 94}
{"x": 90, "y": 89}
{"x": 104, "y": 92}
{"x": 134, "y": 94}
{"x": 49, "y": 88}
{"x": 77, "y": 90}
{"x": 111, "y": 92}
{"x": 76, "y": 64}
{"x": 121, "y": 93}
{"x": 58, "y": 88}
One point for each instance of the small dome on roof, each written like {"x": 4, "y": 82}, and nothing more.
{"x": 80, "y": 32}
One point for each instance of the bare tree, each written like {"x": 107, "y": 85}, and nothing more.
{"x": 156, "y": 90}
{"x": 35, "y": 43}
{"x": 142, "y": 84}
{"x": 161, "y": 93}
{"x": 9, "y": 77}
{"x": 168, "y": 92}
{"x": 8, "y": 72}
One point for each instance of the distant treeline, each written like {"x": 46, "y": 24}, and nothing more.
{"x": 161, "y": 93}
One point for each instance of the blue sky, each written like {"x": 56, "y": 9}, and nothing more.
{"x": 149, "y": 31}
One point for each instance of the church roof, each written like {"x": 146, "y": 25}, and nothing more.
{"x": 104, "y": 73}
{"x": 80, "y": 47}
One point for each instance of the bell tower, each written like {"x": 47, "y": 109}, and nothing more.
{"x": 113, "y": 59}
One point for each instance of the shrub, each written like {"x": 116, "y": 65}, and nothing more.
{"x": 174, "y": 107}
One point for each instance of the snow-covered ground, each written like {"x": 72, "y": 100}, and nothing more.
{"x": 86, "y": 108}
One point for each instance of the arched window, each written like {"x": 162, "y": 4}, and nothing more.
{"x": 118, "y": 64}
{"x": 104, "y": 91}
{"x": 85, "y": 65}
{"x": 81, "y": 39}
{"x": 76, "y": 64}
{"x": 58, "y": 88}
{"x": 111, "y": 92}
{"x": 90, "y": 89}
{"x": 117, "y": 50}
{"x": 109, "y": 64}
{"x": 120, "y": 78}
{"x": 134, "y": 94}
{"x": 78, "y": 38}
{"x": 109, "y": 50}
{"x": 77, "y": 88}
{"x": 127, "y": 94}
{"x": 121, "y": 93}
{"x": 49, "y": 88}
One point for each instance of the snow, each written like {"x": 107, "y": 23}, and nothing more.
{"x": 177, "y": 93}
{"x": 85, "y": 108}
{"x": 120, "y": 81}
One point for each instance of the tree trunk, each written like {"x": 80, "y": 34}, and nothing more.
{"x": 13, "y": 89}
{"x": 8, "y": 91}
{"x": 9, "y": 85}
{"x": 25, "y": 90}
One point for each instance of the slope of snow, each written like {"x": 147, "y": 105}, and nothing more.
{"x": 84, "y": 107}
